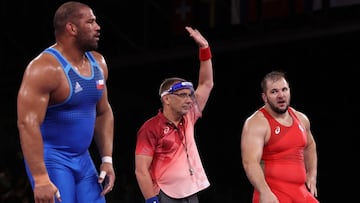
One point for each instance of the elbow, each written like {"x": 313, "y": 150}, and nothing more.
{"x": 210, "y": 85}
{"x": 139, "y": 173}
{"x": 21, "y": 126}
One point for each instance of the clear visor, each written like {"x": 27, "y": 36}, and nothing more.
{"x": 178, "y": 86}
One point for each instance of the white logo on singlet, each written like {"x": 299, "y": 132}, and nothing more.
{"x": 78, "y": 88}
{"x": 277, "y": 130}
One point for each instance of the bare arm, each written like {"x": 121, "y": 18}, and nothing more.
{"x": 310, "y": 156}
{"x": 104, "y": 130}
{"x": 205, "y": 83}
{"x": 143, "y": 176}
{"x": 252, "y": 142}
{"x": 41, "y": 77}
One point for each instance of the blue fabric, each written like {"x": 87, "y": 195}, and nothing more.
{"x": 152, "y": 200}
{"x": 67, "y": 133}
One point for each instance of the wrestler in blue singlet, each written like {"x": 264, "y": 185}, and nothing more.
{"x": 67, "y": 133}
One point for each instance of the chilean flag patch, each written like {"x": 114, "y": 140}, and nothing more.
{"x": 100, "y": 84}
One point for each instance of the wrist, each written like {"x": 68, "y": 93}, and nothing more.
{"x": 205, "y": 53}
{"x": 106, "y": 159}
{"x": 41, "y": 179}
{"x": 152, "y": 200}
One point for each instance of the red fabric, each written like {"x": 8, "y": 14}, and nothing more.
{"x": 205, "y": 54}
{"x": 283, "y": 161}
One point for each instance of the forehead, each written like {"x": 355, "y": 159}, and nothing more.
{"x": 183, "y": 90}
{"x": 86, "y": 13}
{"x": 276, "y": 84}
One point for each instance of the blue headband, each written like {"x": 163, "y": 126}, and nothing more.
{"x": 178, "y": 86}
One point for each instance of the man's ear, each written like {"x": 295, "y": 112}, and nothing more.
{"x": 263, "y": 96}
{"x": 71, "y": 28}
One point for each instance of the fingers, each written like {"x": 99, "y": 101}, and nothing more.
{"x": 109, "y": 184}
{"x": 107, "y": 189}
{"x": 106, "y": 178}
{"x": 58, "y": 196}
{"x": 102, "y": 175}
{"x": 191, "y": 30}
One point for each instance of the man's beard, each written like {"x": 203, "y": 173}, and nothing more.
{"x": 87, "y": 44}
{"x": 278, "y": 110}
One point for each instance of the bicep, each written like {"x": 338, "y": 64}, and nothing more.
{"x": 306, "y": 123}
{"x": 252, "y": 140}
{"x": 33, "y": 96}
{"x": 143, "y": 162}
{"x": 103, "y": 104}
{"x": 202, "y": 95}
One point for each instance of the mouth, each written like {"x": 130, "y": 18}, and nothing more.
{"x": 281, "y": 103}
{"x": 97, "y": 36}
{"x": 186, "y": 107}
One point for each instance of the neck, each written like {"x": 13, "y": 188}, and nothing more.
{"x": 172, "y": 117}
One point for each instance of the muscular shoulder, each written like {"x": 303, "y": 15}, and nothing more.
{"x": 98, "y": 56}
{"x": 44, "y": 68}
{"x": 256, "y": 122}
{"x": 101, "y": 61}
{"x": 302, "y": 117}
{"x": 256, "y": 118}
{"x": 43, "y": 63}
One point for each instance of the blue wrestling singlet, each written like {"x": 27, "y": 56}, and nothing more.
{"x": 67, "y": 133}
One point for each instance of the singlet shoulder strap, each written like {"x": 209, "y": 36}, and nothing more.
{"x": 266, "y": 114}
{"x": 59, "y": 57}
{"x": 91, "y": 58}
{"x": 292, "y": 113}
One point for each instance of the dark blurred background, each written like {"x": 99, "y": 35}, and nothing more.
{"x": 314, "y": 41}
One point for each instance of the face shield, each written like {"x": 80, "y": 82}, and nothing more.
{"x": 178, "y": 86}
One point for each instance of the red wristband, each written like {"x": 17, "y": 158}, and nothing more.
{"x": 205, "y": 54}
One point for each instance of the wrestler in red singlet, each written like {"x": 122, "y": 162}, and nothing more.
{"x": 283, "y": 161}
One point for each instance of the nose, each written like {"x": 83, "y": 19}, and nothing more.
{"x": 281, "y": 94}
{"x": 98, "y": 27}
{"x": 189, "y": 97}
